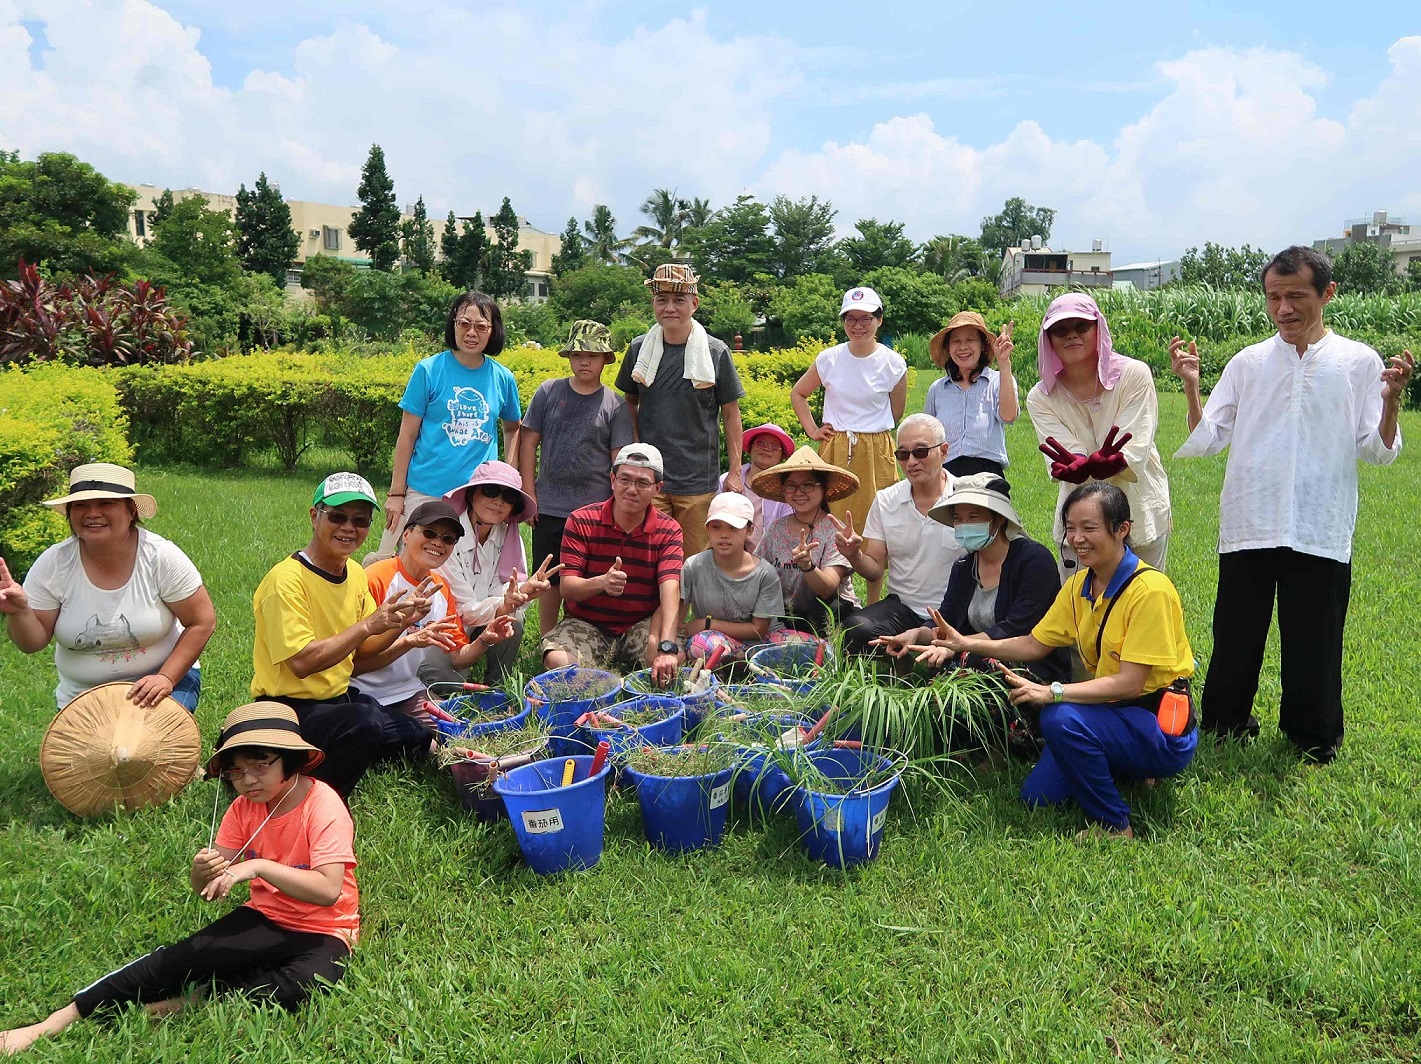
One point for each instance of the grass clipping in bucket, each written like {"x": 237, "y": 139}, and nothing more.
{"x": 704, "y": 760}
{"x": 495, "y": 745}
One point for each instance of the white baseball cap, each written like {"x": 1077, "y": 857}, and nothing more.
{"x": 731, "y": 507}
{"x": 640, "y": 454}
{"x": 864, "y": 299}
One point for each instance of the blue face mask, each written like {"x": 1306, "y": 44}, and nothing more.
{"x": 974, "y": 536}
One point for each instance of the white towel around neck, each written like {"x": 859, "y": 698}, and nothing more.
{"x": 700, "y": 367}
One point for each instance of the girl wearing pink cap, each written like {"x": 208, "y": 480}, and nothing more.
{"x": 765, "y": 446}
{"x": 1095, "y": 413}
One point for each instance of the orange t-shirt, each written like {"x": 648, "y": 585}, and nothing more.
{"x": 317, "y": 832}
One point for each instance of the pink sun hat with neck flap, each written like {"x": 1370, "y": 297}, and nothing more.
{"x": 501, "y": 474}
{"x": 1109, "y": 364}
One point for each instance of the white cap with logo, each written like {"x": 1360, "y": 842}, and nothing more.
{"x": 864, "y": 299}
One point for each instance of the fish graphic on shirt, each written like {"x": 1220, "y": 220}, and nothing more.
{"x": 468, "y": 416}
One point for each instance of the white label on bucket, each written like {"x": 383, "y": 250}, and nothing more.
{"x": 833, "y": 820}
{"x": 542, "y": 821}
{"x": 878, "y": 819}
{"x": 720, "y": 795}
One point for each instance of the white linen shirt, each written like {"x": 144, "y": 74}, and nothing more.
{"x": 920, "y": 550}
{"x": 472, "y": 572}
{"x": 1295, "y": 427}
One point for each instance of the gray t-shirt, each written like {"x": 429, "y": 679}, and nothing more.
{"x": 579, "y": 434}
{"x": 710, "y": 591}
{"x": 680, "y": 420}
{"x": 982, "y": 610}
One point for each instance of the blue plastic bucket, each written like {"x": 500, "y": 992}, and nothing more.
{"x": 790, "y": 664}
{"x": 664, "y": 732}
{"x": 603, "y": 689}
{"x": 844, "y": 829}
{"x": 480, "y": 702}
{"x": 559, "y": 828}
{"x": 761, "y": 786}
{"x": 697, "y": 706}
{"x": 681, "y": 813}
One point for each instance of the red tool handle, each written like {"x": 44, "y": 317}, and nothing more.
{"x": 714, "y": 659}
{"x": 819, "y": 654}
{"x": 813, "y": 733}
{"x": 600, "y": 757}
{"x": 438, "y": 714}
{"x": 477, "y": 687}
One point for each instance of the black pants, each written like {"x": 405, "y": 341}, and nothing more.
{"x": 354, "y": 731}
{"x": 887, "y": 616}
{"x": 241, "y": 952}
{"x": 1312, "y": 596}
{"x": 966, "y": 464}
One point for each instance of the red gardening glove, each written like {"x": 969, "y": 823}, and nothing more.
{"x": 1108, "y": 461}
{"x": 1064, "y": 464}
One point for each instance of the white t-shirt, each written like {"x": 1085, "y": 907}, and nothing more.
{"x": 856, "y": 389}
{"x": 472, "y": 572}
{"x": 111, "y": 636}
{"x": 920, "y": 550}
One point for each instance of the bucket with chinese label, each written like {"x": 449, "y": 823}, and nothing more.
{"x": 559, "y": 828}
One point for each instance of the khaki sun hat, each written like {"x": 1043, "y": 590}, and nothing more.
{"x": 265, "y": 724}
{"x": 987, "y": 490}
{"x": 590, "y": 338}
{"x": 967, "y": 319}
{"x": 769, "y": 483}
{"x": 673, "y": 277}
{"x": 101, "y": 750}
{"x": 104, "y": 480}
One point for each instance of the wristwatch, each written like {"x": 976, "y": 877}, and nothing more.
{"x": 666, "y": 646}
{"x": 1057, "y": 691}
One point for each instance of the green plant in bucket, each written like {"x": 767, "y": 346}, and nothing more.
{"x": 701, "y": 759}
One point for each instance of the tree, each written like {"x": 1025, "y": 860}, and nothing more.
{"x": 912, "y": 301}
{"x": 199, "y": 245}
{"x": 668, "y": 216}
{"x": 804, "y": 236}
{"x": 1365, "y": 268}
{"x": 602, "y": 293}
{"x": 725, "y": 310}
{"x": 808, "y": 307}
{"x": 957, "y": 258}
{"x": 736, "y": 244}
{"x": 1223, "y": 267}
{"x": 1017, "y": 221}
{"x": 376, "y": 226}
{"x": 465, "y": 252}
{"x": 266, "y": 243}
{"x": 505, "y": 267}
{"x": 417, "y": 239}
{"x": 328, "y": 279}
{"x": 698, "y": 214}
{"x": 601, "y": 238}
{"x": 62, "y": 214}
{"x": 573, "y": 253}
{"x": 878, "y": 244}
{"x": 163, "y": 206}
{"x": 1413, "y": 275}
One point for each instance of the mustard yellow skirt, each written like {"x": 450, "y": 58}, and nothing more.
{"x": 870, "y": 458}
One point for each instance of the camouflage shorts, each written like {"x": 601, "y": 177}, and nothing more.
{"x": 591, "y": 646}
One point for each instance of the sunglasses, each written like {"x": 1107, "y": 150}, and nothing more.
{"x": 340, "y": 517}
{"x": 917, "y": 452}
{"x": 447, "y": 538}
{"x": 508, "y": 495}
{"x": 256, "y": 771}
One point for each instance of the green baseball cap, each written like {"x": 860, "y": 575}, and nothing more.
{"x": 344, "y": 487}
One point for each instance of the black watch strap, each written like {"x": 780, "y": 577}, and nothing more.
{"x": 667, "y": 646}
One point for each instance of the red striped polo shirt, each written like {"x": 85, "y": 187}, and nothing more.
{"x": 651, "y": 554}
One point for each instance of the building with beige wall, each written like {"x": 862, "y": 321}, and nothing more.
{"x": 1034, "y": 269}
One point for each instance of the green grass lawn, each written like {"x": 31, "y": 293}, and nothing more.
{"x": 1270, "y": 915}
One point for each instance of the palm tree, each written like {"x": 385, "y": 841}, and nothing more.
{"x": 698, "y": 214}
{"x": 669, "y": 215}
{"x": 603, "y": 244}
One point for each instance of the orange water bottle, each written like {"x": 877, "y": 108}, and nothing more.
{"x": 1174, "y": 711}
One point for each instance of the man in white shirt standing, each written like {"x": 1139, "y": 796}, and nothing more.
{"x": 899, "y": 536}
{"x": 1296, "y": 412}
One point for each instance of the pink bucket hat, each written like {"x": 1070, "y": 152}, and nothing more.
{"x": 505, "y": 476}
{"x": 772, "y": 430}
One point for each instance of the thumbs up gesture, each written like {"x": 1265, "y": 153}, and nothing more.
{"x": 614, "y": 580}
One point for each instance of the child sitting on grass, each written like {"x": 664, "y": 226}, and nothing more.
{"x": 293, "y": 839}
{"x": 732, "y": 598}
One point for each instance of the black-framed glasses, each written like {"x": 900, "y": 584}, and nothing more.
{"x": 508, "y": 495}
{"x": 902, "y": 454}
{"x": 801, "y": 488}
{"x": 340, "y": 517}
{"x": 254, "y": 771}
{"x": 447, "y": 538}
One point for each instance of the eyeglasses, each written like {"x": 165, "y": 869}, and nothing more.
{"x": 917, "y": 452}
{"x": 447, "y": 538}
{"x": 340, "y": 517}
{"x": 635, "y": 483}
{"x": 256, "y": 771}
{"x": 508, "y": 495}
{"x": 468, "y": 323}
{"x": 800, "y": 488}
{"x": 859, "y": 319}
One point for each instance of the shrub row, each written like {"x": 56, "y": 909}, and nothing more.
{"x": 52, "y": 418}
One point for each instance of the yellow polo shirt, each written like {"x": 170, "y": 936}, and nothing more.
{"x": 295, "y": 605}
{"x": 1146, "y": 627}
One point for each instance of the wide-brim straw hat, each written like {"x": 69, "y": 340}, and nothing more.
{"x": 270, "y": 725}
{"x": 104, "y": 480}
{"x": 769, "y": 483}
{"x": 101, "y": 751}
{"x": 987, "y": 490}
{"x": 967, "y": 319}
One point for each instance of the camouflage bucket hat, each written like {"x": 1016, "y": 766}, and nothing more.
{"x": 673, "y": 277}
{"x": 589, "y": 337}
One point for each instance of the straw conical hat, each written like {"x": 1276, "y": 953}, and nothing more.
{"x": 102, "y": 750}
{"x": 768, "y": 483}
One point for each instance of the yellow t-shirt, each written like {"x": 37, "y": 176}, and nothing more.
{"x": 1146, "y": 627}
{"x": 295, "y": 605}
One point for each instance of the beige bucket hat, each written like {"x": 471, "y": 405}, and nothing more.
{"x": 104, "y": 480}
{"x": 769, "y": 483}
{"x": 987, "y": 490}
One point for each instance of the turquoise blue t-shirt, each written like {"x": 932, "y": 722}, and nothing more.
{"x": 461, "y": 409}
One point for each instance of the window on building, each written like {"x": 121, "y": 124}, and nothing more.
{"x": 140, "y": 228}
{"x": 543, "y": 289}
{"x": 330, "y": 238}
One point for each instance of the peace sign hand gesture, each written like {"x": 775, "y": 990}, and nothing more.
{"x": 1108, "y": 461}
{"x": 1004, "y": 346}
{"x": 538, "y": 581}
{"x": 803, "y": 555}
{"x": 944, "y": 635}
{"x": 1024, "y": 691}
{"x": 13, "y": 598}
{"x": 849, "y": 542}
{"x": 1065, "y": 465}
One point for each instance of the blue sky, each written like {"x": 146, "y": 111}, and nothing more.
{"x": 1150, "y": 126}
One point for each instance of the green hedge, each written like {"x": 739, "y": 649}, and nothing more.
{"x": 52, "y": 418}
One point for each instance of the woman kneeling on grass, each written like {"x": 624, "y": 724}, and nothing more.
{"x": 1117, "y": 725}
{"x": 292, "y": 838}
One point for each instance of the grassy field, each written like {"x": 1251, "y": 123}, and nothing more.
{"x": 1269, "y": 915}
